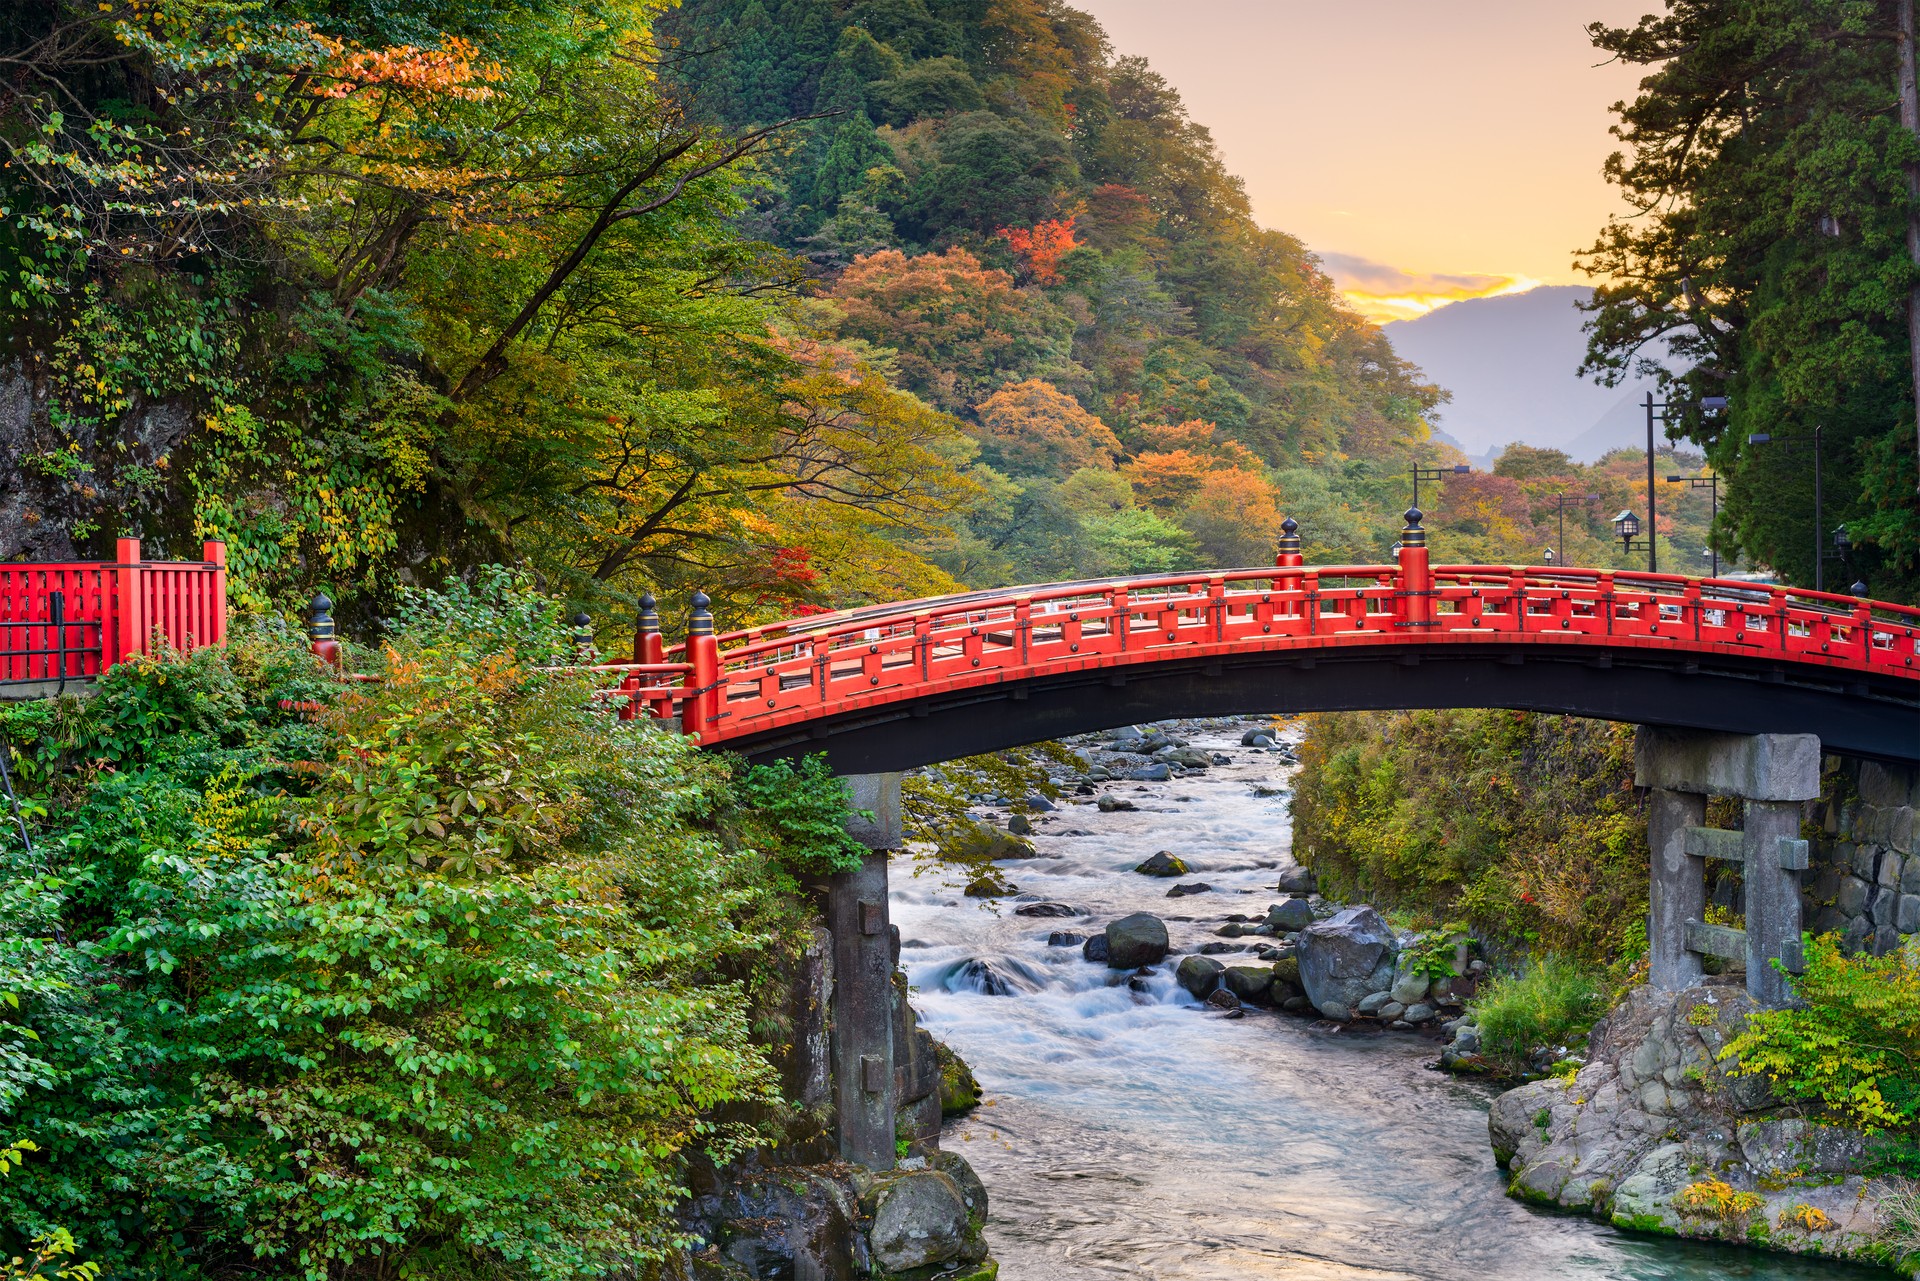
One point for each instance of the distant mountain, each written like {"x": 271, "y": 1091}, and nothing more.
{"x": 1510, "y": 362}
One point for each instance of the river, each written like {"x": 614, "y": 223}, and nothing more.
{"x": 1137, "y": 1134}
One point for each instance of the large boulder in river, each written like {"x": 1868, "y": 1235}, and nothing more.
{"x": 919, "y": 1219}
{"x": 1137, "y": 940}
{"x": 1297, "y": 880}
{"x": 1346, "y": 957}
{"x": 1165, "y": 863}
{"x": 1199, "y": 975}
{"x": 1294, "y": 914}
{"x": 1249, "y": 982}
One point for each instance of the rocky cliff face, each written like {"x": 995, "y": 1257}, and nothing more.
{"x": 1655, "y": 1134}
{"x": 798, "y": 1215}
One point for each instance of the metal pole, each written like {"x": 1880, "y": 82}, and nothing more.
{"x": 1560, "y": 543}
{"x": 1653, "y": 523}
{"x": 1819, "y": 522}
{"x": 1713, "y": 518}
{"x": 1416, "y": 485}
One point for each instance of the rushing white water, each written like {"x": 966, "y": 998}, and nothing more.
{"x": 1136, "y": 1134}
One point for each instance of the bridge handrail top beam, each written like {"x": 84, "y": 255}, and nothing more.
{"x": 858, "y": 625}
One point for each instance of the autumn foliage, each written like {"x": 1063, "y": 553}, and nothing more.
{"x": 1041, "y": 246}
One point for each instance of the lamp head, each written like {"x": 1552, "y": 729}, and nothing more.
{"x": 1627, "y": 526}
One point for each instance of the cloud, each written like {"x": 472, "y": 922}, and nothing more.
{"x": 1381, "y": 292}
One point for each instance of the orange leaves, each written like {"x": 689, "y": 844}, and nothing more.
{"x": 1032, "y": 426}
{"x": 1041, "y": 246}
{"x": 447, "y": 71}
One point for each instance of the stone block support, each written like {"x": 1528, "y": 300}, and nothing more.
{"x": 1679, "y": 892}
{"x": 1772, "y": 829}
{"x": 1773, "y": 774}
{"x": 863, "y": 1081}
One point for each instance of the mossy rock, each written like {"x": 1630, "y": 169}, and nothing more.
{"x": 959, "y": 1091}
{"x": 983, "y": 844}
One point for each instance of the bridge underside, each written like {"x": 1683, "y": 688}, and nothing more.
{"x": 1853, "y": 715}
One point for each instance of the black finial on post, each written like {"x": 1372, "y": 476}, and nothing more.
{"x": 701, "y": 623}
{"x": 319, "y": 618}
{"x": 583, "y": 636}
{"x": 320, "y": 638}
{"x": 1289, "y": 537}
{"x": 1413, "y": 535}
{"x": 648, "y": 620}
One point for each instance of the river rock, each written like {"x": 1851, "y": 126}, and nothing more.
{"x": 1421, "y": 1013}
{"x": 1231, "y": 930}
{"x": 1391, "y": 1012}
{"x": 959, "y": 1091}
{"x": 1371, "y": 1003}
{"x": 1019, "y": 825}
{"x": 1136, "y": 940}
{"x": 1346, "y": 957}
{"x": 1251, "y": 983}
{"x": 1156, "y": 773}
{"x": 979, "y": 841}
{"x": 1217, "y": 949}
{"x": 990, "y": 884}
{"x": 1221, "y": 999}
{"x": 1335, "y": 1011}
{"x": 1409, "y": 986}
{"x": 1286, "y": 967}
{"x": 1096, "y": 949}
{"x": 1064, "y": 938}
{"x": 919, "y": 1219}
{"x": 1165, "y": 863}
{"x": 1114, "y": 804}
{"x": 1190, "y": 889}
{"x": 1047, "y": 909}
{"x": 1150, "y": 744}
{"x": 1297, "y": 880}
{"x": 1185, "y": 757}
{"x": 1199, "y": 975}
{"x": 1257, "y": 738}
{"x": 1294, "y": 914}
{"x": 1040, "y": 804}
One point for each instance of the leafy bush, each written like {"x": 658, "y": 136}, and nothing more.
{"x": 448, "y": 979}
{"x": 805, "y": 808}
{"x": 1850, "y": 1046}
{"x": 1553, "y": 1002}
{"x": 1524, "y": 826}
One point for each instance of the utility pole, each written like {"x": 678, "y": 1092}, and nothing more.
{"x": 1653, "y": 554}
{"x": 1910, "y": 121}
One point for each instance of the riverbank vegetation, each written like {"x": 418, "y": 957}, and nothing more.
{"x": 442, "y": 975}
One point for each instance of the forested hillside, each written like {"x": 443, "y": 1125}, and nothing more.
{"x": 1045, "y": 238}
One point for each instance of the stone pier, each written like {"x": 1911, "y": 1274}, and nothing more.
{"x": 1773, "y": 775}
{"x": 863, "y": 1050}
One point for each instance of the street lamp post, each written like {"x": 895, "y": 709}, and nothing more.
{"x": 1711, "y": 483}
{"x": 1434, "y": 473}
{"x": 1661, "y": 410}
{"x": 1560, "y": 501}
{"x": 1819, "y": 516}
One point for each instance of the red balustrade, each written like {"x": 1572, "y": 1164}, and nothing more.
{"x": 69, "y": 622}
{"x": 767, "y": 678}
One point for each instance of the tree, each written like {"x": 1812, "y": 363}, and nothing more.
{"x": 1032, "y": 427}
{"x": 961, "y": 330}
{"x": 1767, "y": 165}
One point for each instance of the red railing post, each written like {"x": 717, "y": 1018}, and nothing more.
{"x": 701, "y": 705}
{"x": 130, "y": 598}
{"x": 649, "y": 646}
{"x": 214, "y": 553}
{"x": 320, "y": 638}
{"x": 1416, "y": 578}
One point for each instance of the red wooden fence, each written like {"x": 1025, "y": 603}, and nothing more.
{"x": 70, "y": 622}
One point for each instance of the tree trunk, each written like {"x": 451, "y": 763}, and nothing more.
{"x": 1910, "y": 119}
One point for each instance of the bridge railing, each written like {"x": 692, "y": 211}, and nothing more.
{"x": 68, "y": 622}
{"x": 763, "y": 678}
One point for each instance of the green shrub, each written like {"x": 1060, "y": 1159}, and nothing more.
{"x": 1553, "y": 1002}
{"x": 1851, "y": 1046}
{"x": 1524, "y": 827}
{"x": 449, "y": 978}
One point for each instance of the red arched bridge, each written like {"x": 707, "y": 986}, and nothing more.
{"x": 894, "y": 686}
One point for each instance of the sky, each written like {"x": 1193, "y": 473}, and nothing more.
{"x": 1427, "y": 150}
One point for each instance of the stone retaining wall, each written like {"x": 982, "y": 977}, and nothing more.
{"x": 1863, "y": 876}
